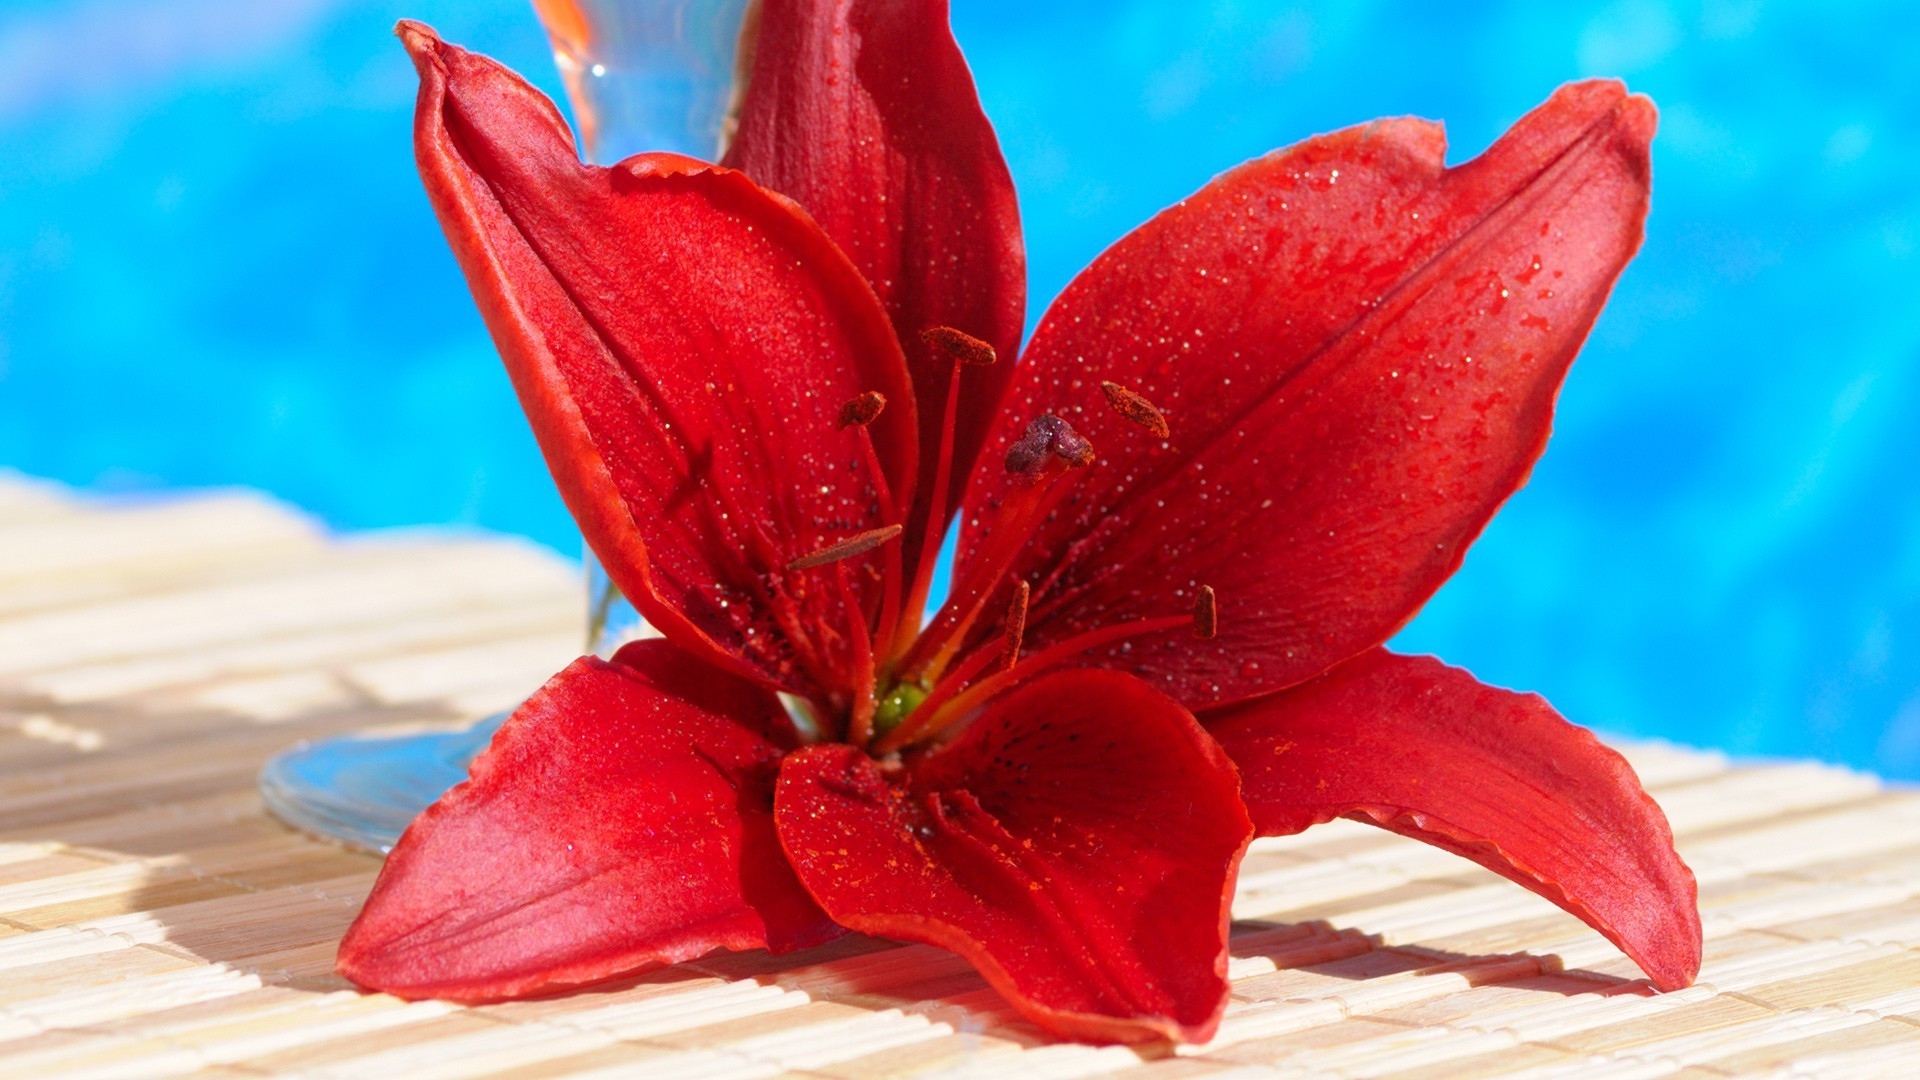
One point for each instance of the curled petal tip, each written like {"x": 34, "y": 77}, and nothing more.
{"x": 1632, "y": 116}
{"x": 418, "y": 37}
{"x": 428, "y": 51}
{"x": 1639, "y": 118}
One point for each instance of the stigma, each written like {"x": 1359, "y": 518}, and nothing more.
{"x": 1050, "y": 442}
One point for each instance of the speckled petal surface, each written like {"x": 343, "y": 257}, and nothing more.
{"x": 1357, "y": 351}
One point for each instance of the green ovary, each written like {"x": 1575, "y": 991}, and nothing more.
{"x": 896, "y": 705}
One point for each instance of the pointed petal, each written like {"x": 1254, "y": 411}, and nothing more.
{"x": 1425, "y": 750}
{"x": 1078, "y": 844}
{"x": 622, "y": 818}
{"x": 863, "y": 111}
{"x": 682, "y": 342}
{"x": 1357, "y": 353}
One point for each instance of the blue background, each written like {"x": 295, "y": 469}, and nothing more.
{"x": 216, "y": 267}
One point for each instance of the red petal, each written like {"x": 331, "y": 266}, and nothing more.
{"x": 864, "y": 112}
{"x": 1357, "y": 351}
{"x": 1078, "y": 844}
{"x": 682, "y": 342}
{"x": 1427, "y": 751}
{"x": 622, "y": 818}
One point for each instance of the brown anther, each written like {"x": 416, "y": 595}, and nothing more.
{"x": 861, "y": 410}
{"x": 1016, "y": 625}
{"x": 1048, "y": 439}
{"x": 1206, "y": 617}
{"x": 1136, "y": 409}
{"x": 857, "y": 544}
{"x": 962, "y": 347}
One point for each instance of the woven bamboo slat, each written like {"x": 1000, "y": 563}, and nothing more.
{"x": 155, "y": 922}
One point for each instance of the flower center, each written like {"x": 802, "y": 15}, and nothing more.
{"x": 914, "y": 686}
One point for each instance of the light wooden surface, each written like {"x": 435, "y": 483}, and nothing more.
{"x": 154, "y": 922}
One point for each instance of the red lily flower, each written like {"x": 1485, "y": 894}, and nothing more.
{"x": 1303, "y": 390}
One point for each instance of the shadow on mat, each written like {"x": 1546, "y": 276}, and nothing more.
{"x": 230, "y": 885}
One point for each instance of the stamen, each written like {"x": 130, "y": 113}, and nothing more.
{"x": 860, "y": 723}
{"x": 1136, "y": 409}
{"x": 1048, "y": 440}
{"x": 857, "y": 544}
{"x": 965, "y": 348}
{"x": 1016, "y": 625}
{"x": 861, "y": 410}
{"x": 858, "y": 411}
{"x": 1206, "y": 617}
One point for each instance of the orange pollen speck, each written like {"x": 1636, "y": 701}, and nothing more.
{"x": 1206, "y": 616}
{"x": 1136, "y": 409}
{"x": 962, "y": 347}
{"x": 857, "y": 544}
{"x": 860, "y": 411}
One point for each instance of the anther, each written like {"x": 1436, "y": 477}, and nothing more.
{"x": 1047, "y": 440}
{"x": 1206, "y": 617}
{"x": 1136, "y": 409}
{"x": 962, "y": 347}
{"x": 857, "y": 544}
{"x": 1016, "y": 625}
{"x": 861, "y": 410}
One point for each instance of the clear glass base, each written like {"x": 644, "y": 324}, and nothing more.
{"x": 363, "y": 790}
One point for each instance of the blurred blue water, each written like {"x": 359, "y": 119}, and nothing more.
{"x": 216, "y": 267}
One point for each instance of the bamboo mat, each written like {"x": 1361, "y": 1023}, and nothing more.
{"x": 154, "y": 922}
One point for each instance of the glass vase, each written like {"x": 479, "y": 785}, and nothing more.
{"x": 640, "y": 75}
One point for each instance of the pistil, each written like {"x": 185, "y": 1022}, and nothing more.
{"x": 965, "y": 350}
{"x": 1048, "y": 450}
{"x": 925, "y": 699}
